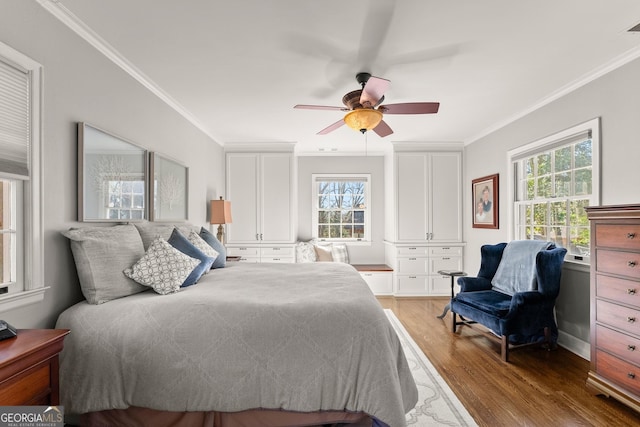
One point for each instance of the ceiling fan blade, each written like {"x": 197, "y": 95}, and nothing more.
{"x": 410, "y": 108}
{"x": 319, "y": 107}
{"x": 373, "y": 90}
{"x": 382, "y": 129}
{"x": 332, "y": 127}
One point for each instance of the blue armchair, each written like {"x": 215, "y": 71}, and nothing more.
{"x": 521, "y": 316}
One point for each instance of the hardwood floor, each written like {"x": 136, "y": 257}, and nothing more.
{"x": 536, "y": 388}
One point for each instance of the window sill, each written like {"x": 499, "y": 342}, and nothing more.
{"x": 20, "y": 299}
{"x": 347, "y": 242}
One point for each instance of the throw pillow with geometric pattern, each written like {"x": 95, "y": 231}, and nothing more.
{"x": 163, "y": 267}
{"x": 199, "y": 243}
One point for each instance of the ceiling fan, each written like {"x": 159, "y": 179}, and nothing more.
{"x": 364, "y": 111}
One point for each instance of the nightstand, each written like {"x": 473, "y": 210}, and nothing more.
{"x": 29, "y": 367}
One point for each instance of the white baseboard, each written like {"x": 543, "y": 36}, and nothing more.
{"x": 574, "y": 345}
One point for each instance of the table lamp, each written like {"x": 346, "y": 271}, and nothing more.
{"x": 220, "y": 213}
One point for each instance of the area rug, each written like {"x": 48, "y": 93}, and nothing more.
{"x": 437, "y": 405}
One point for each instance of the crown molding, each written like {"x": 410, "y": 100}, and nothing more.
{"x": 598, "y": 72}
{"x": 85, "y": 32}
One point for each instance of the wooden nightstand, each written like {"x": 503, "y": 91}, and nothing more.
{"x": 29, "y": 367}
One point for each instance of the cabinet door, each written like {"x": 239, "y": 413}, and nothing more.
{"x": 276, "y": 190}
{"x": 412, "y": 196}
{"x": 445, "y": 208}
{"x": 242, "y": 192}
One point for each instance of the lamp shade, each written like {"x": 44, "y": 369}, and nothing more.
{"x": 363, "y": 119}
{"x": 220, "y": 212}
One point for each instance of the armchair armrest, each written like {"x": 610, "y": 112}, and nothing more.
{"x": 472, "y": 284}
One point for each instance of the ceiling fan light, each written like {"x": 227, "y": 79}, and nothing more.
{"x": 363, "y": 119}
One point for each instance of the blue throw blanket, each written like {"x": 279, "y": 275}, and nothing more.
{"x": 517, "y": 269}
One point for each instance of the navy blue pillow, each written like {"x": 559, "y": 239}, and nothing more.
{"x": 181, "y": 243}
{"x": 213, "y": 241}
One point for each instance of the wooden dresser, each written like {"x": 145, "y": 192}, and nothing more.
{"x": 615, "y": 302}
{"x": 29, "y": 367}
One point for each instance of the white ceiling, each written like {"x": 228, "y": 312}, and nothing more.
{"x": 236, "y": 68}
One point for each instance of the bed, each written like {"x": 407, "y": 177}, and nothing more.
{"x": 258, "y": 341}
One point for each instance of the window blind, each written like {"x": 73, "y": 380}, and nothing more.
{"x": 14, "y": 121}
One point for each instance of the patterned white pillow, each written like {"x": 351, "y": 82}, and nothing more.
{"x": 305, "y": 252}
{"x": 163, "y": 267}
{"x": 199, "y": 243}
{"x": 340, "y": 253}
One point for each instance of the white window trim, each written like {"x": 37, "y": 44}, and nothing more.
{"x": 367, "y": 213}
{"x": 33, "y": 267}
{"x": 594, "y": 126}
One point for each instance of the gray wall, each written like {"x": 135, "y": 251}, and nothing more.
{"x": 80, "y": 84}
{"x": 612, "y": 97}
{"x": 373, "y": 165}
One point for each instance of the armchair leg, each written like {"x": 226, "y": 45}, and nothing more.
{"x": 454, "y": 322}
{"x": 504, "y": 353}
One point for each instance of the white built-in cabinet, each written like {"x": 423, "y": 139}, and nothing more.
{"x": 260, "y": 187}
{"x": 425, "y": 228}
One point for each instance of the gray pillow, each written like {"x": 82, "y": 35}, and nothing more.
{"x": 149, "y": 231}
{"x": 101, "y": 254}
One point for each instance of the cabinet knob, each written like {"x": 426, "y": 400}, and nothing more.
{"x": 631, "y": 375}
{"x": 631, "y": 319}
{"x": 631, "y": 347}
{"x": 631, "y": 235}
{"x": 631, "y": 291}
{"x": 631, "y": 264}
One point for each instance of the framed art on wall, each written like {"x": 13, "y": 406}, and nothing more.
{"x": 484, "y": 199}
{"x": 168, "y": 189}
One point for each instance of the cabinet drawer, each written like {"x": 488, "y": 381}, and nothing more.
{"x": 622, "y": 236}
{"x": 413, "y": 265}
{"x": 446, "y": 251}
{"x": 412, "y": 250}
{"x": 617, "y": 289}
{"x": 27, "y": 386}
{"x": 619, "y": 317}
{"x": 276, "y": 251}
{"x": 412, "y": 285}
{"x": 243, "y": 251}
{"x": 622, "y": 345}
{"x": 441, "y": 285}
{"x": 618, "y": 262}
{"x": 249, "y": 259}
{"x": 446, "y": 263}
{"x": 283, "y": 259}
{"x": 379, "y": 283}
{"x": 623, "y": 373}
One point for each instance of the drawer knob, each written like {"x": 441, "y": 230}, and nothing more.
{"x": 631, "y": 347}
{"x": 631, "y": 291}
{"x": 631, "y": 319}
{"x": 631, "y": 264}
{"x": 631, "y": 375}
{"x": 631, "y": 235}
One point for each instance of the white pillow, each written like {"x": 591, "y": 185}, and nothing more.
{"x": 199, "y": 243}
{"x": 305, "y": 252}
{"x": 323, "y": 253}
{"x": 339, "y": 252}
{"x": 163, "y": 267}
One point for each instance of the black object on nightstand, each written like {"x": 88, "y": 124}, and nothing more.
{"x": 453, "y": 274}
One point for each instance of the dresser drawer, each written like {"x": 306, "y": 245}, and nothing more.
{"x": 623, "y": 373}
{"x": 446, "y": 251}
{"x": 617, "y": 289}
{"x": 412, "y": 251}
{"x": 413, "y": 285}
{"x": 619, "y": 317}
{"x": 24, "y": 388}
{"x": 276, "y": 251}
{"x": 445, "y": 263}
{"x": 413, "y": 265}
{"x": 618, "y": 262}
{"x": 243, "y": 251}
{"x": 622, "y": 345}
{"x": 622, "y": 236}
{"x": 277, "y": 259}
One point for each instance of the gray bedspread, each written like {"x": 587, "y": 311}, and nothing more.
{"x": 298, "y": 337}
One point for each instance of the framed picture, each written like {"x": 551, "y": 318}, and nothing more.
{"x": 168, "y": 189}
{"x": 484, "y": 194}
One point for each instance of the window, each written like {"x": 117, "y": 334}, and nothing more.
{"x": 341, "y": 207}
{"x": 555, "y": 179}
{"x": 20, "y": 219}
